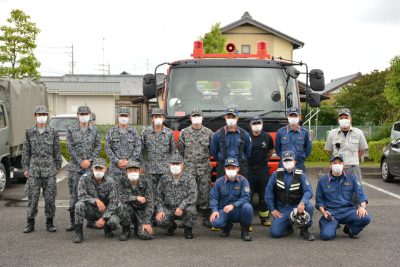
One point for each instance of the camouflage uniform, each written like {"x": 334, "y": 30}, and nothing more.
{"x": 132, "y": 211}
{"x": 177, "y": 193}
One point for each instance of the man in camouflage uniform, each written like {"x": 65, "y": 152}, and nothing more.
{"x": 157, "y": 147}
{"x": 194, "y": 146}
{"x": 137, "y": 204}
{"x": 122, "y": 144}
{"x": 41, "y": 158}
{"x": 83, "y": 144}
{"x": 98, "y": 200}
{"x": 176, "y": 198}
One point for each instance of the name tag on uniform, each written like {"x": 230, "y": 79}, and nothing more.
{"x": 347, "y": 183}
{"x": 236, "y": 187}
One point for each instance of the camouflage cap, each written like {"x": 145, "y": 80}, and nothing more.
{"x": 176, "y": 158}
{"x": 157, "y": 111}
{"x": 83, "y": 109}
{"x": 344, "y": 111}
{"x": 231, "y": 162}
{"x": 41, "y": 109}
{"x": 99, "y": 162}
{"x": 196, "y": 111}
{"x": 132, "y": 164}
{"x": 123, "y": 110}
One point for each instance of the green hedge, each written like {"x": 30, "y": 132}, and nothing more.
{"x": 318, "y": 153}
{"x": 65, "y": 153}
{"x": 375, "y": 149}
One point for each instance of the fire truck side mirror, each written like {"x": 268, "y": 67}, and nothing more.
{"x": 314, "y": 100}
{"x": 149, "y": 85}
{"x": 317, "y": 80}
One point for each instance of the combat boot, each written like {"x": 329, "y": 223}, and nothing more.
{"x": 304, "y": 233}
{"x": 226, "y": 231}
{"x": 78, "y": 238}
{"x": 50, "y": 226}
{"x": 206, "y": 218}
{"x": 30, "y": 226}
{"x": 347, "y": 231}
{"x": 91, "y": 225}
{"x": 245, "y": 233}
{"x": 126, "y": 233}
{"x": 108, "y": 231}
{"x": 172, "y": 229}
{"x": 71, "y": 227}
{"x": 188, "y": 232}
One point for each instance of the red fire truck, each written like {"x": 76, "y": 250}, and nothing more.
{"x": 255, "y": 84}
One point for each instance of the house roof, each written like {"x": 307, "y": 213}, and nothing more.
{"x": 248, "y": 19}
{"x": 339, "y": 82}
{"x": 83, "y": 87}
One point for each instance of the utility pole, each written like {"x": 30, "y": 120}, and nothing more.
{"x": 147, "y": 65}
{"x": 71, "y": 54}
{"x": 104, "y": 68}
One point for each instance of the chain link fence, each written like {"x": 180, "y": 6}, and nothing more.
{"x": 370, "y": 132}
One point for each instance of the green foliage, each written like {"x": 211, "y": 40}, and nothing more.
{"x": 17, "y": 44}
{"x": 382, "y": 133}
{"x": 65, "y": 154}
{"x": 318, "y": 152}
{"x": 375, "y": 149}
{"x": 327, "y": 114}
{"x": 214, "y": 41}
{"x": 392, "y": 88}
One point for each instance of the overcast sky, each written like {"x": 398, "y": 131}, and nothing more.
{"x": 341, "y": 37}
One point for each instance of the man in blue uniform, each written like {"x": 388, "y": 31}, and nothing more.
{"x": 334, "y": 196}
{"x": 231, "y": 141}
{"x": 230, "y": 201}
{"x": 295, "y": 138}
{"x": 288, "y": 188}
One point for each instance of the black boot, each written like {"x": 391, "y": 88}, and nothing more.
{"x": 347, "y": 231}
{"x": 245, "y": 235}
{"x": 30, "y": 226}
{"x": 91, "y": 225}
{"x": 188, "y": 232}
{"x": 108, "y": 231}
{"x": 71, "y": 227}
{"x": 78, "y": 238}
{"x": 206, "y": 218}
{"x": 50, "y": 226}
{"x": 226, "y": 230}
{"x": 172, "y": 229}
{"x": 304, "y": 233}
{"x": 126, "y": 233}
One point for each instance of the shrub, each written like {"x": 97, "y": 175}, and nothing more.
{"x": 65, "y": 154}
{"x": 375, "y": 149}
{"x": 318, "y": 152}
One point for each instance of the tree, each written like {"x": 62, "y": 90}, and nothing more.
{"x": 17, "y": 44}
{"x": 392, "y": 87}
{"x": 214, "y": 41}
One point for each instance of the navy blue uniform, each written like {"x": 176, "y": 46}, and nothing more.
{"x": 237, "y": 193}
{"x": 335, "y": 195}
{"x": 280, "y": 225}
{"x": 297, "y": 141}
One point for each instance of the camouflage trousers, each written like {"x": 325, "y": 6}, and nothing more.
{"x": 32, "y": 191}
{"x": 73, "y": 181}
{"x": 84, "y": 210}
{"x": 129, "y": 215}
{"x": 202, "y": 174}
{"x": 188, "y": 218}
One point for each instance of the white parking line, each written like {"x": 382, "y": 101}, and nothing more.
{"x": 382, "y": 190}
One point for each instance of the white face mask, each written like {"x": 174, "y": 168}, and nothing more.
{"x": 41, "y": 119}
{"x": 158, "y": 121}
{"x": 197, "y": 120}
{"x": 288, "y": 165}
{"x": 98, "y": 175}
{"x": 85, "y": 118}
{"x": 175, "y": 169}
{"x": 133, "y": 176}
{"x": 337, "y": 169}
{"x": 231, "y": 174}
{"x": 123, "y": 120}
{"x": 231, "y": 122}
{"x": 293, "y": 120}
{"x": 344, "y": 123}
{"x": 256, "y": 128}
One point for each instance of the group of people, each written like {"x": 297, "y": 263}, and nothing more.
{"x": 151, "y": 180}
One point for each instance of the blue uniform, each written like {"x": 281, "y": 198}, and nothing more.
{"x": 297, "y": 141}
{"x": 280, "y": 225}
{"x": 226, "y": 192}
{"x": 335, "y": 194}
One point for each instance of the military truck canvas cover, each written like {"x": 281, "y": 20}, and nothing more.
{"x": 21, "y": 97}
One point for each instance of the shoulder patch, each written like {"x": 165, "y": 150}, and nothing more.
{"x": 247, "y": 189}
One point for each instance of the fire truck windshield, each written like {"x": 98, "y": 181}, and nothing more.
{"x": 216, "y": 88}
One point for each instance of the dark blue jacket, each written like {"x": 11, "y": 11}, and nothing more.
{"x": 297, "y": 141}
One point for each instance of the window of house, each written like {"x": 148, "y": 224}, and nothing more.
{"x": 245, "y": 49}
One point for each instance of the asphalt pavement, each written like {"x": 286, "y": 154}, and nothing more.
{"x": 377, "y": 246}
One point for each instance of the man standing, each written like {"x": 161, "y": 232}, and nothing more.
{"x": 230, "y": 201}
{"x": 194, "y": 146}
{"x": 122, "y": 144}
{"x": 137, "y": 204}
{"x": 158, "y": 146}
{"x": 231, "y": 141}
{"x": 98, "y": 200}
{"x": 295, "y": 138}
{"x": 288, "y": 189}
{"x": 41, "y": 158}
{"x": 334, "y": 200}
{"x": 84, "y": 145}
{"x": 176, "y": 198}
{"x": 258, "y": 174}
{"x": 347, "y": 141}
